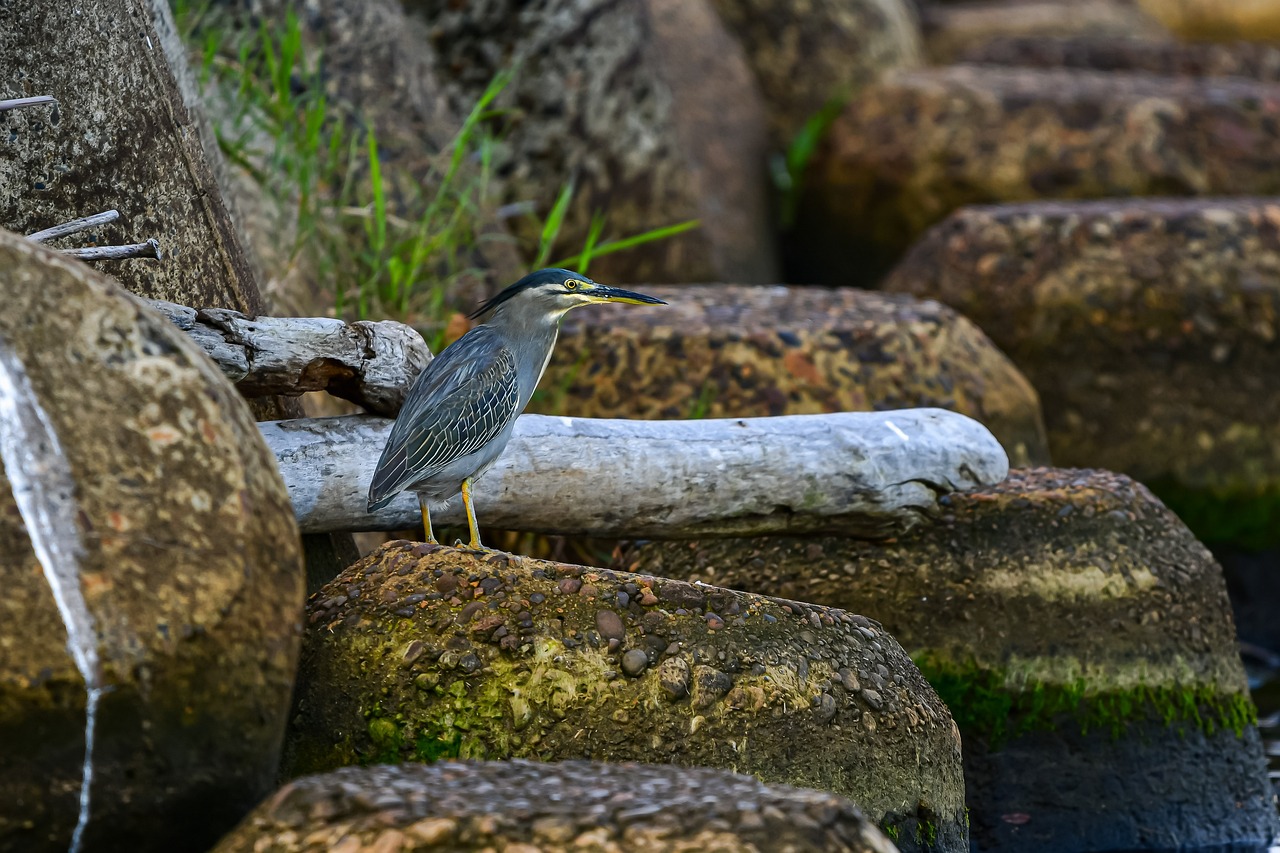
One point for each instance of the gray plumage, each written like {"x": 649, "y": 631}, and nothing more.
{"x": 461, "y": 410}
{"x": 456, "y": 420}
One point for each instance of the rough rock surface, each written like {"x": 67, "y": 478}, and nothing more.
{"x": 919, "y": 145}
{"x": 750, "y": 351}
{"x": 1121, "y": 722}
{"x": 1256, "y": 61}
{"x": 422, "y": 652}
{"x": 805, "y": 54}
{"x": 955, "y": 28}
{"x": 1143, "y": 324}
{"x": 118, "y": 71}
{"x": 649, "y": 107}
{"x": 142, "y": 494}
{"x": 573, "y": 805}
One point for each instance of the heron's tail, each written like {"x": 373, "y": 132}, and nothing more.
{"x": 375, "y": 505}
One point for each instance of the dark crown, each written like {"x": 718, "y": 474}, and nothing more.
{"x": 539, "y": 278}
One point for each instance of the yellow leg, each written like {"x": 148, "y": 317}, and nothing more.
{"x": 471, "y": 516}
{"x": 426, "y": 521}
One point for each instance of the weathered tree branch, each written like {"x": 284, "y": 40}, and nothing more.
{"x": 371, "y": 364}
{"x": 75, "y": 226}
{"x": 871, "y": 474}
{"x": 149, "y": 249}
{"x": 19, "y": 103}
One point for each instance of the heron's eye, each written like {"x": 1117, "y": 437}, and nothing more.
{"x": 572, "y": 284}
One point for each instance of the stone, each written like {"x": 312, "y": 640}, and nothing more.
{"x": 634, "y": 663}
{"x": 1207, "y": 19}
{"x": 743, "y": 351}
{"x": 804, "y": 55}
{"x": 1149, "y": 327}
{"x": 1081, "y": 636}
{"x": 119, "y": 73}
{"x": 953, "y": 29}
{"x": 1254, "y": 60}
{"x": 557, "y": 693}
{"x": 920, "y": 145}
{"x": 151, "y": 568}
{"x": 524, "y": 806}
{"x": 649, "y": 108}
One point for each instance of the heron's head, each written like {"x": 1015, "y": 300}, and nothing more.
{"x": 550, "y": 293}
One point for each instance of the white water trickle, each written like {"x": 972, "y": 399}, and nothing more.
{"x": 44, "y": 492}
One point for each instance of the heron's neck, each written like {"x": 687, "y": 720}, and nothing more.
{"x": 531, "y": 338}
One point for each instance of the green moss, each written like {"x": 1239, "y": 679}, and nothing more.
{"x": 983, "y": 705}
{"x": 485, "y": 714}
{"x": 1245, "y": 517}
{"x": 437, "y": 744}
{"x": 386, "y": 738}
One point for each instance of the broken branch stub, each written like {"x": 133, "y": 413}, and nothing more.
{"x": 75, "y": 226}
{"x": 18, "y": 103}
{"x": 372, "y": 364}
{"x": 149, "y": 249}
{"x": 868, "y": 474}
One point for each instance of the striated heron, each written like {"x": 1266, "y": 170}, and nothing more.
{"x": 460, "y": 412}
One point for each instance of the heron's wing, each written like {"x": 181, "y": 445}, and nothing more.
{"x": 457, "y": 405}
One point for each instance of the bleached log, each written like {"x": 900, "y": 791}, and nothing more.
{"x": 371, "y": 364}
{"x": 871, "y": 474}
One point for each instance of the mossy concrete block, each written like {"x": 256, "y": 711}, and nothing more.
{"x": 1254, "y": 60}
{"x": 571, "y": 805}
{"x": 421, "y": 652}
{"x": 126, "y": 134}
{"x": 921, "y": 144}
{"x": 804, "y": 55}
{"x": 1151, "y": 329}
{"x": 1081, "y": 636}
{"x": 748, "y": 351}
{"x": 953, "y": 29}
{"x": 152, "y": 574}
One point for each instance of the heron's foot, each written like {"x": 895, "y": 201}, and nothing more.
{"x": 478, "y": 547}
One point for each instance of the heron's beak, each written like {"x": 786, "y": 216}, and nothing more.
{"x": 603, "y": 293}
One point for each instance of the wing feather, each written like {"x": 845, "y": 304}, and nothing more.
{"x": 458, "y": 404}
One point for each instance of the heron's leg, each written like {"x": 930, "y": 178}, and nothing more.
{"x": 426, "y": 521}
{"x": 471, "y": 516}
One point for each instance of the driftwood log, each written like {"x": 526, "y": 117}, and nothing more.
{"x": 870, "y": 474}
{"x": 371, "y": 364}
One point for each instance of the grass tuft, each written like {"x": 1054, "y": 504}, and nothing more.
{"x": 378, "y": 241}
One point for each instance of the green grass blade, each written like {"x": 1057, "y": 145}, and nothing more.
{"x": 462, "y": 142}
{"x": 663, "y": 233}
{"x": 551, "y": 228}
{"x": 589, "y": 245}
{"x": 802, "y": 149}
